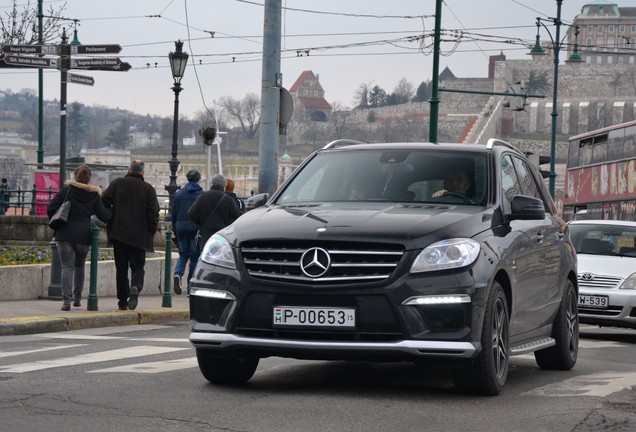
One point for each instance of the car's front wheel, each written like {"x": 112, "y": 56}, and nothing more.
{"x": 565, "y": 331}
{"x": 223, "y": 370}
{"x": 486, "y": 374}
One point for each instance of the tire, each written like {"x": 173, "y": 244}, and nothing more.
{"x": 565, "y": 332}
{"x": 486, "y": 374}
{"x": 221, "y": 370}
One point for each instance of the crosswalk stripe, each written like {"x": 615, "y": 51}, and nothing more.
{"x": 153, "y": 367}
{"x": 37, "y": 350}
{"x": 599, "y": 384}
{"x": 127, "y": 338}
{"x": 102, "y": 356}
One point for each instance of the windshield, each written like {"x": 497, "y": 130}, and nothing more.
{"x": 396, "y": 176}
{"x": 597, "y": 239}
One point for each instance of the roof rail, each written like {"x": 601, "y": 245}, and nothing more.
{"x": 342, "y": 141}
{"x": 494, "y": 141}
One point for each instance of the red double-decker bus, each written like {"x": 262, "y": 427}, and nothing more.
{"x": 600, "y": 181}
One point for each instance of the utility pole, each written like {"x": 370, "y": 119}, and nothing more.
{"x": 434, "y": 100}
{"x": 40, "y": 92}
{"x": 269, "y": 135}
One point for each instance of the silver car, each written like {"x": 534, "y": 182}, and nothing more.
{"x": 606, "y": 271}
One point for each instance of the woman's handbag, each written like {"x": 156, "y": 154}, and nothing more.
{"x": 58, "y": 220}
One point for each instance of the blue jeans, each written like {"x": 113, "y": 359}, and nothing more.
{"x": 73, "y": 259}
{"x": 188, "y": 250}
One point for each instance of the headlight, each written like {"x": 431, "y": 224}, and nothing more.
{"x": 629, "y": 283}
{"x": 218, "y": 251}
{"x": 446, "y": 254}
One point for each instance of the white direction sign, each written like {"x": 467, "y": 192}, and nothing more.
{"x": 28, "y": 61}
{"x": 80, "y": 79}
{"x": 29, "y": 49}
{"x": 106, "y": 63}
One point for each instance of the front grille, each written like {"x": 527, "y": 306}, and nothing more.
{"x": 349, "y": 262}
{"x": 375, "y": 318}
{"x": 590, "y": 280}
{"x": 611, "y": 311}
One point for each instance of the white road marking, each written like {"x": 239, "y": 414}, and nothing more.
{"x": 122, "y": 338}
{"x": 600, "y": 384}
{"x": 154, "y": 367}
{"x": 16, "y": 353}
{"x": 102, "y": 356}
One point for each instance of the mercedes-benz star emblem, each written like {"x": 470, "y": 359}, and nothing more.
{"x": 315, "y": 262}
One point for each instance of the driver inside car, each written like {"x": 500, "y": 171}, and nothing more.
{"x": 456, "y": 181}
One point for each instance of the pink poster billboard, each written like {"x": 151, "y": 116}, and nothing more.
{"x": 45, "y": 180}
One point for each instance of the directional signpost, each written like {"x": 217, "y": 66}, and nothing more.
{"x": 81, "y": 79}
{"x": 66, "y": 57}
{"x": 29, "y": 49}
{"x": 95, "y": 49}
{"x": 29, "y": 61}
{"x": 105, "y": 63}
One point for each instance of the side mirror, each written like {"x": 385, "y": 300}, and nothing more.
{"x": 256, "y": 201}
{"x": 527, "y": 208}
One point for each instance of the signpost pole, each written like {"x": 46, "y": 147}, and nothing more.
{"x": 65, "y": 50}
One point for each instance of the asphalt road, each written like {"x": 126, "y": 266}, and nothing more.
{"x": 145, "y": 378}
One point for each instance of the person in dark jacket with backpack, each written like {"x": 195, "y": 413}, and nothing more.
{"x": 212, "y": 211}
{"x": 73, "y": 240}
{"x": 185, "y": 230}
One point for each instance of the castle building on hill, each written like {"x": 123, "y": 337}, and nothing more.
{"x": 309, "y": 96}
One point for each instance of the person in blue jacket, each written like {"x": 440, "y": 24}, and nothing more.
{"x": 185, "y": 230}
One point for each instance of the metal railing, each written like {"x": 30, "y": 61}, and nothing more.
{"x": 25, "y": 202}
{"x": 28, "y": 202}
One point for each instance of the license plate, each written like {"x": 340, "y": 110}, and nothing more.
{"x": 591, "y": 301}
{"x": 314, "y": 316}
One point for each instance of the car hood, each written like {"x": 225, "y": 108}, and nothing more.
{"x": 620, "y": 266}
{"x": 413, "y": 225}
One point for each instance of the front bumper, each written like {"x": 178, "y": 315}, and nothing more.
{"x": 314, "y": 349}
{"x": 621, "y": 310}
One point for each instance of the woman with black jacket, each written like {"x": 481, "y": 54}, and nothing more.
{"x": 73, "y": 240}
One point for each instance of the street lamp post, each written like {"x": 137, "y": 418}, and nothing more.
{"x": 536, "y": 52}
{"x": 178, "y": 62}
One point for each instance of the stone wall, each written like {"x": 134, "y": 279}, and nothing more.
{"x": 27, "y": 230}
{"x": 590, "y": 96}
{"x": 31, "y": 282}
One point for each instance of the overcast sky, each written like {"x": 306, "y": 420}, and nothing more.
{"x": 345, "y": 42}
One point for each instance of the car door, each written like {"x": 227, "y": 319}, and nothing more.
{"x": 528, "y": 255}
{"x": 551, "y": 238}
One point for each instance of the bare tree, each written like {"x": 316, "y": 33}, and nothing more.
{"x": 19, "y": 25}
{"x": 403, "y": 91}
{"x": 339, "y": 117}
{"x": 616, "y": 82}
{"x": 244, "y": 113}
{"x": 361, "y": 97}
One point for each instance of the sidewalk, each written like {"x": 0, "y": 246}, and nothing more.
{"x": 21, "y": 317}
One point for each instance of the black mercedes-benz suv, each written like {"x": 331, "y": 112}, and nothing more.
{"x": 447, "y": 253}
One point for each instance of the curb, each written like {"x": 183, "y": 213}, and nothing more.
{"x": 59, "y": 323}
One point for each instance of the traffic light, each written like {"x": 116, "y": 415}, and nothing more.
{"x": 517, "y": 100}
{"x": 537, "y": 161}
